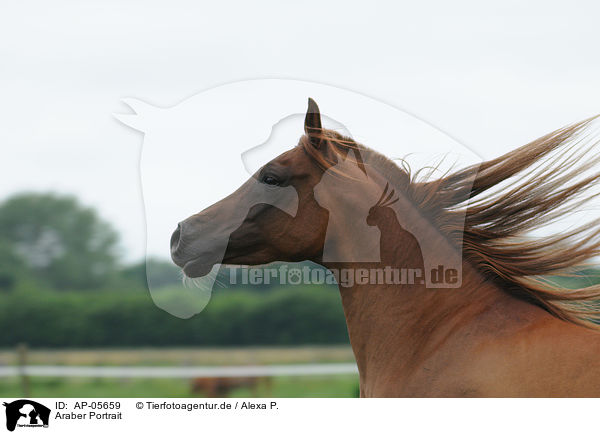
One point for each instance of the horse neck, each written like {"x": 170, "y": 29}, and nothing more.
{"x": 398, "y": 247}
{"x": 407, "y": 321}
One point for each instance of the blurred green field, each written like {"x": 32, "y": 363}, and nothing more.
{"x": 337, "y": 386}
{"x": 285, "y": 387}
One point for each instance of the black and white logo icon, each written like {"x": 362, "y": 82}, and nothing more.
{"x": 26, "y": 413}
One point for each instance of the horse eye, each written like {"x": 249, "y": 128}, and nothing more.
{"x": 270, "y": 180}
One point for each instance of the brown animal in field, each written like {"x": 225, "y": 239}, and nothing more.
{"x": 221, "y": 387}
{"x": 503, "y": 331}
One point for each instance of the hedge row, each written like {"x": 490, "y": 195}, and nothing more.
{"x": 289, "y": 316}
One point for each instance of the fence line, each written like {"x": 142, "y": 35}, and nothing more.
{"x": 179, "y": 372}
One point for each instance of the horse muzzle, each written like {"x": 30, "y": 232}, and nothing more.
{"x": 196, "y": 251}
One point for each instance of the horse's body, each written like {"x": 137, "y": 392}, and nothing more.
{"x": 503, "y": 332}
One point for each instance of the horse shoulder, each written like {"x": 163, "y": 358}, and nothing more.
{"x": 543, "y": 356}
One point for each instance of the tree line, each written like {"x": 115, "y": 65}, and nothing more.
{"x": 62, "y": 284}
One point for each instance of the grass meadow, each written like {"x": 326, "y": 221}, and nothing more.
{"x": 301, "y": 387}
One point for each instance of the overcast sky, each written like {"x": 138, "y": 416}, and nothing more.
{"x": 495, "y": 76}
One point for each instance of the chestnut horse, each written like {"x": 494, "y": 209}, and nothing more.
{"x": 507, "y": 331}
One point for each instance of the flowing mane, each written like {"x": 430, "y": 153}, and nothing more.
{"x": 503, "y": 201}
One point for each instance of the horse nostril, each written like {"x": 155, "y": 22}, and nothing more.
{"x": 175, "y": 238}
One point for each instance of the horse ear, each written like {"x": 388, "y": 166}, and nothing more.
{"x": 312, "y": 124}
